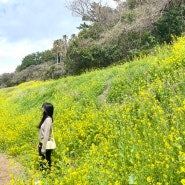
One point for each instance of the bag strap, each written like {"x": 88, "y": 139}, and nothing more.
{"x": 52, "y": 131}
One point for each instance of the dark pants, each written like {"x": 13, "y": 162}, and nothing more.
{"x": 46, "y": 156}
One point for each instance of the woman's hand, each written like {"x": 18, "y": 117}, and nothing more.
{"x": 37, "y": 147}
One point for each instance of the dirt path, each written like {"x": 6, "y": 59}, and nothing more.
{"x": 7, "y": 167}
{"x": 102, "y": 97}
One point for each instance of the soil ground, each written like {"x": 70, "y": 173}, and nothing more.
{"x": 7, "y": 167}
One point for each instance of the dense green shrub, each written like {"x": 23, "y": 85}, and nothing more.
{"x": 92, "y": 31}
{"x": 88, "y": 57}
{"x": 35, "y": 59}
{"x": 172, "y": 23}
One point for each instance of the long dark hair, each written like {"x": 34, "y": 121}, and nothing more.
{"x": 48, "y": 110}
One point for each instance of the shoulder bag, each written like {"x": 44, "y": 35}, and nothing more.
{"x": 51, "y": 144}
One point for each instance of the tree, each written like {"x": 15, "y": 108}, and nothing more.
{"x": 60, "y": 49}
{"x": 57, "y": 49}
{"x": 92, "y": 11}
{"x": 6, "y": 80}
{"x": 47, "y": 56}
{"x": 172, "y": 23}
{"x": 35, "y": 59}
{"x": 31, "y": 59}
{"x": 64, "y": 46}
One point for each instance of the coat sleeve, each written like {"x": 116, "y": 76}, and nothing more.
{"x": 47, "y": 132}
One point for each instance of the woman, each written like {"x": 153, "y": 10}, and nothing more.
{"x": 45, "y": 131}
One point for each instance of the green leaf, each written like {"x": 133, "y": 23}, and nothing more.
{"x": 132, "y": 179}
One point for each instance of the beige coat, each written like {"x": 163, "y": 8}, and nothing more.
{"x": 45, "y": 133}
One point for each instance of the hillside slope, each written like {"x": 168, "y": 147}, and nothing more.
{"x": 134, "y": 27}
{"x": 133, "y": 135}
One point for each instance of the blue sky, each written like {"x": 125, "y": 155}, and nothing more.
{"x": 28, "y": 26}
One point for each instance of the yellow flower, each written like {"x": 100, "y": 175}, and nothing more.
{"x": 182, "y": 169}
{"x": 149, "y": 179}
{"x": 183, "y": 181}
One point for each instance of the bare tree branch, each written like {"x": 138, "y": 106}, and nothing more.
{"x": 91, "y": 11}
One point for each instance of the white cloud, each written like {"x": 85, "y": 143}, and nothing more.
{"x": 30, "y": 26}
{"x": 24, "y": 47}
{"x": 36, "y": 19}
{"x": 110, "y": 3}
{"x": 11, "y": 54}
{"x": 4, "y": 1}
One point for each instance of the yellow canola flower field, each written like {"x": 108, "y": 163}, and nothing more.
{"x": 117, "y": 126}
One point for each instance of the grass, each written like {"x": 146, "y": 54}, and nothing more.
{"x": 136, "y": 136}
